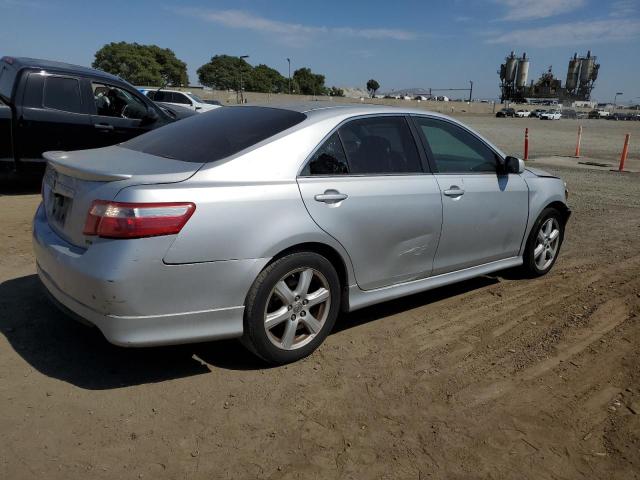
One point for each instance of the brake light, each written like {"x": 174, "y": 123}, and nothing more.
{"x": 136, "y": 220}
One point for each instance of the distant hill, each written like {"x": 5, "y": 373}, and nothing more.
{"x": 355, "y": 92}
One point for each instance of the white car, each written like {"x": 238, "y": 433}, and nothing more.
{"x": 183, "y": 99}
{"x": 551, "y": 115}
{"x": 523, "y": 113}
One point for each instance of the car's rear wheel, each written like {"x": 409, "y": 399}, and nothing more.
{"x": 291, "y": 307}
{"x": 544, "y": 242}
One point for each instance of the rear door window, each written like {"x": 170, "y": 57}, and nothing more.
{"x": 329, "y": 159}
{"x": 62, "y": 93}
{"x": 216, "y": 135}
{"x": 380, "y": 145}
{"x": 180, "y": 98}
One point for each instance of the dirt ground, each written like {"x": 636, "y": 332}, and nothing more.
{"x": 602, "y": 140}
{"x": 498, "y": 377}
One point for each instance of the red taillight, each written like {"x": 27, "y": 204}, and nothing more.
{"x": 136, "y": 220}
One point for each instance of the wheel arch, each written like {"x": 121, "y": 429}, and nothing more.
{"x": 561, "y": 207}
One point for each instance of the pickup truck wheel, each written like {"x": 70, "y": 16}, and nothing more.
{"x": 291, "y": 307}
{"x": 544, "y": 242}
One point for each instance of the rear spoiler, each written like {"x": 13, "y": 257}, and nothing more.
{"x": 59, "y": 161}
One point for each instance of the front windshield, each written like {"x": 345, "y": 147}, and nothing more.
{"x": 195, "y": 97}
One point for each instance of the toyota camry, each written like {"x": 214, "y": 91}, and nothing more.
{"x": 265, "y": 223}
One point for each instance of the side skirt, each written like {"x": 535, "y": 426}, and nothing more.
{"x": 359, "y": 298}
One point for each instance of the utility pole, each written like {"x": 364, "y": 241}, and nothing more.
{"x": 470, "y": 91}
{"x": 289, "y": 62}
{"x": 242, "y": 57}
{"x": 615, "y": 99}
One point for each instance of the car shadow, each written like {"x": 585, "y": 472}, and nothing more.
{"x": 393, "y": 307}
{"x": 61, "y": 348}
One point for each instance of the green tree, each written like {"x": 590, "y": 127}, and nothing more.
{"x": 266, "y": 79}
{"x": 223, "y": 72}
{"x": 336, "y": 92}
{"x": 372, "y": 87}
{"x": 308, "y": 82}
{"x": 141, "y": 64}
{"x": 174, "y": 70}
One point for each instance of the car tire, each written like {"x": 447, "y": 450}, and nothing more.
{"x": 284, "y": 320}
{"x": 542, "y": 248}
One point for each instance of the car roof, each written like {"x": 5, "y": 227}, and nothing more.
{"x": 26, "y": 62}
{"x": 327, "y": 109}
{"x": 169, "y": 90}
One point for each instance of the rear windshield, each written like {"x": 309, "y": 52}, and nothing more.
{"x": 215, "y": 135}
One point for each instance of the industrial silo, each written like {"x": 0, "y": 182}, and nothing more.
{"x": 523, "y": 71}
{"x": 510, "y": 68}
{"x": 586, "y": 69}
{"x": 573, "y": 73}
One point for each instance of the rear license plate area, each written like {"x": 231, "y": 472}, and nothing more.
{"x": 59, "y": 207}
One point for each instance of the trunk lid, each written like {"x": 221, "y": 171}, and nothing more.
{"x": 73, "y": 180}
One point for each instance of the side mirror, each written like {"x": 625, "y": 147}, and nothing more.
{"x": 151, "y": 116}
{"x": 513, "y": 165}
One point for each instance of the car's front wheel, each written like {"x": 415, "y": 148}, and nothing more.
{"x": 291, "y": 307}
{"x": 543, "y": 244}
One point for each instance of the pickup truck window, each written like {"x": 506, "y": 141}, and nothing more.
{"x": 6, "y": 80}
{"x": 115, "y": 102}
{"x": 62, "y": 93}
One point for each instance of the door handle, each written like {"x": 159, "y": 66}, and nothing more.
{"x": 331, "y": 196}
{"x": 103, "y": 126}
{"x": 454, "y": 191}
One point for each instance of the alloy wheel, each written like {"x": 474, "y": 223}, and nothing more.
{"x": 297, "y": 308}
{"x": 547, "y": 243}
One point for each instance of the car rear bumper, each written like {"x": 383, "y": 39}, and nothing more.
{"x": 134, "y": 298}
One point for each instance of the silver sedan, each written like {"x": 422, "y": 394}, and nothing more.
{"x": 264, "y": 223}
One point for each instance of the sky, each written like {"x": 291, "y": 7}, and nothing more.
{"x": 401, "y": 44}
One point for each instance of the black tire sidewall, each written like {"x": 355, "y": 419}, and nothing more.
{"x": 255, "y": 336}
{"x": 529, "y": 260}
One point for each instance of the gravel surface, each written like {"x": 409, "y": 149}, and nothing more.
{"x": 498, "y": 377}
{"x": 601, "y": 139}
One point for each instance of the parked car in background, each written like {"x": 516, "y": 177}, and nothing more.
{"x": 551, "y": 115}
{"x": 622, "y": 116}
{"x": 58, "y": 106}
{"x": 523, "y": 113}
{"x": 537, "y": 112}
{"x": 506, "y": 112}
{"x": 599, "y": 114}
{"x": 183, "y": 99}
{"x": 569, "y": 113}
{"x": 263, "y": 223}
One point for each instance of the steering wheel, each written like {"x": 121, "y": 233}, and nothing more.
{"x": 125, "y": 113}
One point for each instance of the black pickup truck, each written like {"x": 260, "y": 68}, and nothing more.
{"x": 47, "y": 105}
